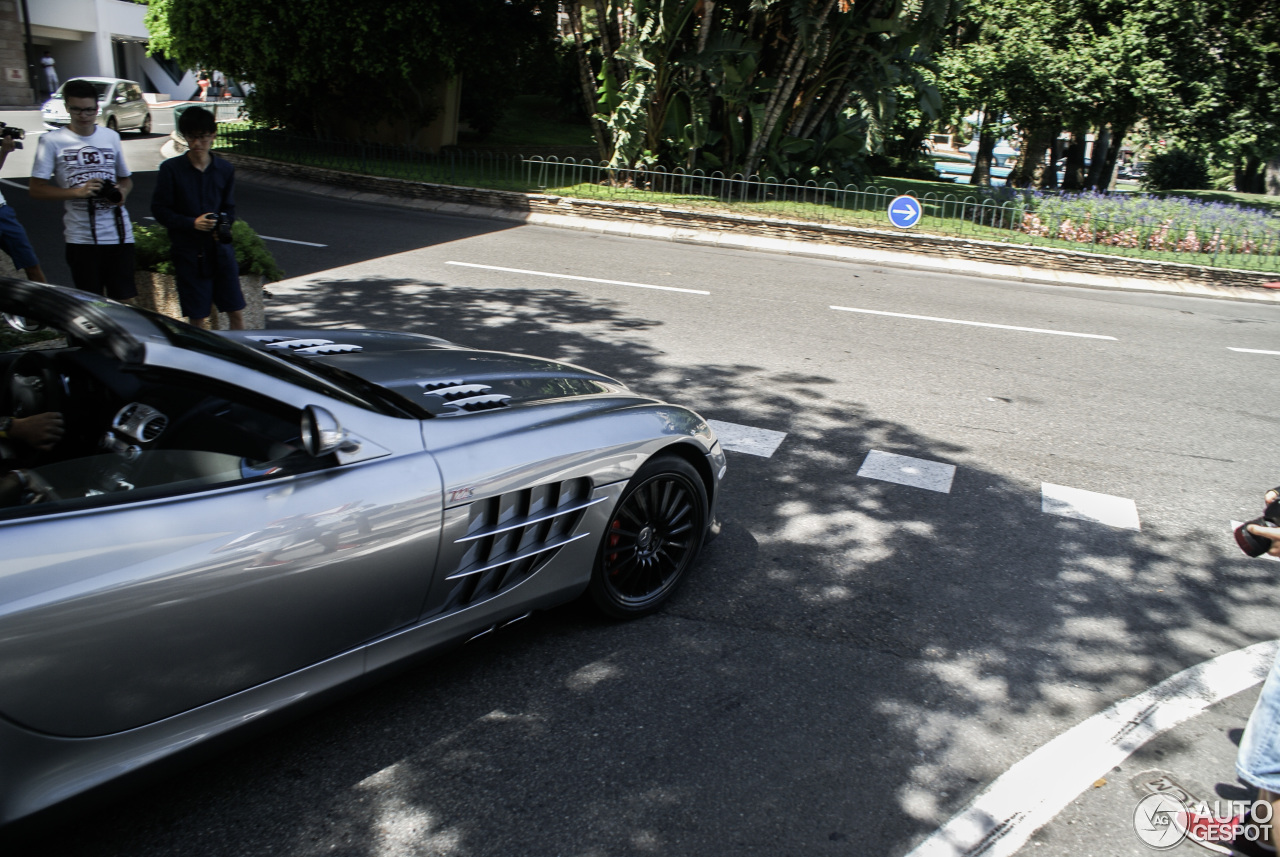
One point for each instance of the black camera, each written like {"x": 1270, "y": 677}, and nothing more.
{"x": 109, "y": 193}
{"x": 1258, "y": 545}
{"x": 15, "y": 134}
{"x": 222, "y": 227}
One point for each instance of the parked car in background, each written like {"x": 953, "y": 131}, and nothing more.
{"x": 237, "y": 522}
{"x": 121, "y": 106}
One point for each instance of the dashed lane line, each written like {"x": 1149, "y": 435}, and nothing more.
{"x": 973, "y": 323}
{"x": 1251, "y": 350}
{"x": 271, "y": 238}
{"x": 1032, "y": 792}
{"x": 582, "y": 279}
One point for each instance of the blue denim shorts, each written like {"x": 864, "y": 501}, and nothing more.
{"x": 13, "y": 240}
{"x": 1258, "y": 762}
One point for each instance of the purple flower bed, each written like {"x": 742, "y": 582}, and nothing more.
{"x": 1169, "y": 224}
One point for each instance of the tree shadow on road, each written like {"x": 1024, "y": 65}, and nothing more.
{"x": 851, "y": 662}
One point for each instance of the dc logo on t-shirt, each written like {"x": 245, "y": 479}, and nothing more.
{"x": 90, "y": 157}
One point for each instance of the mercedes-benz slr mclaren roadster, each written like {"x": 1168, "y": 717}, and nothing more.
{"x": 233, "y": 523}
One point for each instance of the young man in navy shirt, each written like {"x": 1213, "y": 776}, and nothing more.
{"x": 191, "y": 191}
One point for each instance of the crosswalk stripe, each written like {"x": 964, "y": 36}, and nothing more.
{"x": 752, "y": 441}
{"x": 905, "y": 470}
{"x": 1089, "y": 506}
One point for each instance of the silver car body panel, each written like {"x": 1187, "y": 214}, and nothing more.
{"x": 131, "y": 631}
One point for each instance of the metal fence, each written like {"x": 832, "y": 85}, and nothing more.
{"x": 961, "y": 214}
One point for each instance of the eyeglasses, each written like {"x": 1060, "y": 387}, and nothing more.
{"x": 83, "y": 111}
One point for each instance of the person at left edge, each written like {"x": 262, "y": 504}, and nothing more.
{"x": 13, "y": 238}
{"x": 73, "y": 164}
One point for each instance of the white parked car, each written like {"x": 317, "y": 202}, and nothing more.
{"x": 121, "y": 106}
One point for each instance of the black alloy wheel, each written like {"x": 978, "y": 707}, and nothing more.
{"x": 651, "y": 540}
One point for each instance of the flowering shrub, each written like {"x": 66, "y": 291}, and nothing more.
{"x": 1168, "y": 224}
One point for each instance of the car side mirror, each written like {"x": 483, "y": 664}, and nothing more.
{"x": 120, "y": 99}
{"x": 323, "y": 434}
{"x": 24, "y": 325}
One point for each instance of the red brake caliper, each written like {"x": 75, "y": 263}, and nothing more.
{"x": 614, "y": 538}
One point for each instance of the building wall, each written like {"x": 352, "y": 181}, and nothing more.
{"x": 79, "y": 35}
{"x": 13, "y": 60}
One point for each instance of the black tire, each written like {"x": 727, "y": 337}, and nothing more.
{"x": 112, "y": 125}
{"x": 145, "y": 128}
{"x": 651, "y": 540}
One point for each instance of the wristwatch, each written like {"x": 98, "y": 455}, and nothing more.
{"x": 6, "y": 423}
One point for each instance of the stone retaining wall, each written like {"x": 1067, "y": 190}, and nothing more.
{"x": 507, "y": 204}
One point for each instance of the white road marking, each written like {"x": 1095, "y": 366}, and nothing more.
{"x": 583, "y": 279}
{"x": 1251, "y": 350}
{"x": 1028, "y": 796}
{"x": 292, "y": 241}
{"x": 973, "y": 323}
{"x": 1089, "y": 506}
{"x": 12, "y": 183}
{"x": 1234, "y": 525}
{"x": 752, "y": 441}
{"x": 905, "y": 470}
{"x": 269, "y": 238}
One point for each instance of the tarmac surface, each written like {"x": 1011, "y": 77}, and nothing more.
{"x": 1195, "y": 753}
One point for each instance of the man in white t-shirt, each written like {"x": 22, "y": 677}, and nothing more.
{"x": 83, "y": 164}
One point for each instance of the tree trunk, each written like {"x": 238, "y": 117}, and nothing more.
{"x": 1273, "y": 176}
{"x": 792, "y": 70}
{"x": 1098, "y": 158}
{"x": 1036, "y": 141}
{"x": 1073, "y": 174}
{"x": 1248, "y": 179}
{"x": 982, "y": 161}
{"x": 585, "y": 78}
{"x": 1107, "y": 178}
{"x": 1048, "y": 179}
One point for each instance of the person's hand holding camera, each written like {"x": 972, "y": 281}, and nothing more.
{"x": 1262, "y": 535}
{"x": 1272, "y": 533}
{"x": 89, "y": 188}
{"x": 206, "y": 221}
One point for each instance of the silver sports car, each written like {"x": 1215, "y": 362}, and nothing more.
{"x": 234, "y": 523}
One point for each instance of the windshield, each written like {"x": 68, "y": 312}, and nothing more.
{"x": 104, "y": 89}
{"x": 330, "y": 382}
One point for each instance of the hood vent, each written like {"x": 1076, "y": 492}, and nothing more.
{"x": 456, "y": 393}
{"x": 306, "y": 346}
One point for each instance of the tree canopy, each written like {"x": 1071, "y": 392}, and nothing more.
{"x": 351, "y": 70}
{"x": 792, "y": 86}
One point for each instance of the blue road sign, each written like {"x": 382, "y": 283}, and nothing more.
{"x": 904, "y": 212}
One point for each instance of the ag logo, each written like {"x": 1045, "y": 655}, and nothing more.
{"x": 1160, "y": 821}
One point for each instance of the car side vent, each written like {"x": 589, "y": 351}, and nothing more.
{"x": 511, "y": 536}
{"x": 463, "y": 396}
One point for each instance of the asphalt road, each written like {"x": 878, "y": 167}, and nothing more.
{"x": 854, "y": 659}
